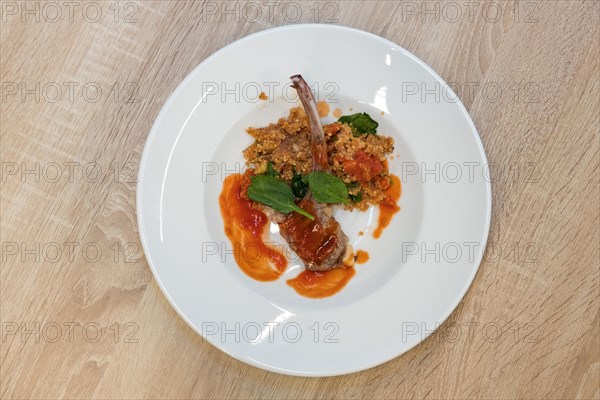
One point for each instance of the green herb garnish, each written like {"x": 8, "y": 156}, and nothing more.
{"x": 274, "y": 193}
{"x": 271, "y": 171}
{"x": 361, "y": 124}
{"x": 327, "y": 188}
{"x": 299, "y": 185}
{"x": 355, "y": 197}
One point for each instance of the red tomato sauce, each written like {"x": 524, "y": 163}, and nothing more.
{"x": 245, "y": 227}
{"x": 322, "y": 109}
{"x": 389, "y": 206}
{"x": 362, "y": 257}
{"x": 317, "y": 285}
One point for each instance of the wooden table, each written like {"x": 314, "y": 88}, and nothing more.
{"x": 82, "y": 82}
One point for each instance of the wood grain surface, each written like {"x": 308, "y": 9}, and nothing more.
{"x": 82, "y": 316}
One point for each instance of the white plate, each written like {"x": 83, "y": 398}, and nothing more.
{"x": 419, "y": 269}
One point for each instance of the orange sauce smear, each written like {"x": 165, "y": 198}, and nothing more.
{"x": 362, "y": 257}
{"x": 322, "y": 108}
{"x": 389, "y": 206}
{"x": 245, "y": 227}
{"x": 337, "y": 113}
{"x": 317, "y": 285}
{"x": 263, "y": 96}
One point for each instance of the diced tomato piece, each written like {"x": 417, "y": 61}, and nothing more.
{"x": 363, "y": 167}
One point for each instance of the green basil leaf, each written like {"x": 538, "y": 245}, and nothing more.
{"x": 327, "y": 188}
{"x": 274, "y": 193}
{"x": 361, "y": 124}
{"x": 299, "y": 185}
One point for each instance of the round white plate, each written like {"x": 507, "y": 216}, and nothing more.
{"x": 419, "y": 269}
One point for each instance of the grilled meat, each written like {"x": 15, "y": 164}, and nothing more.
{"x": 320, "y": 243}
